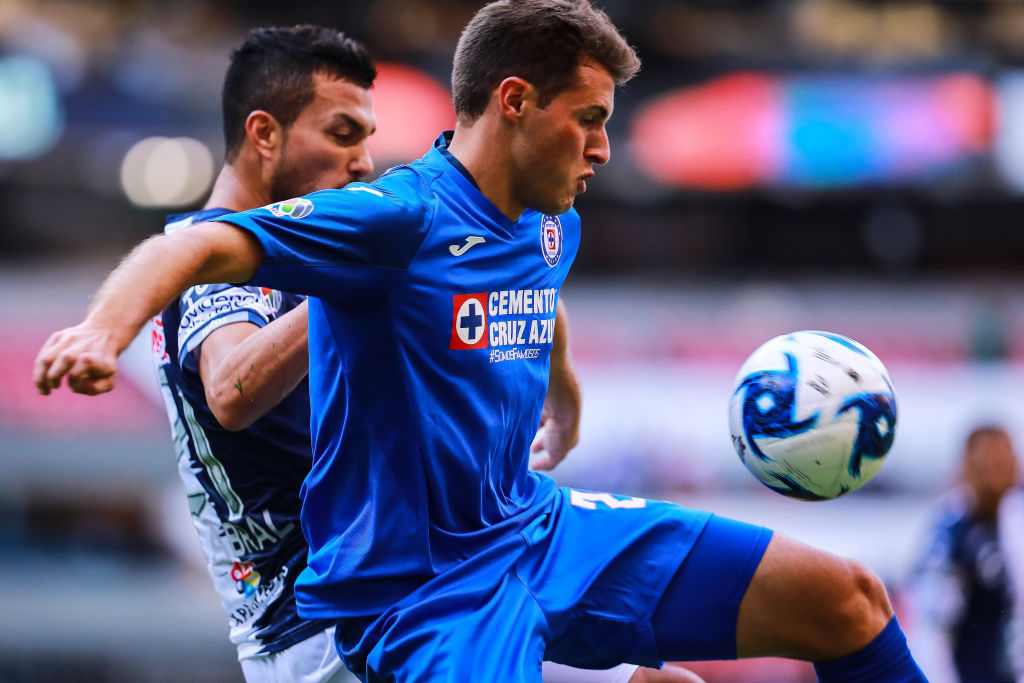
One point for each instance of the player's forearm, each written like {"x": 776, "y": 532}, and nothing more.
{"x": 560, "y": 419}
{"x": 145, "y": 282}
{"x": 258, "y": 372}
{"x": 562, "y": 381}
{"x": 136, "y": 290}
{"x": 155, "y": 272}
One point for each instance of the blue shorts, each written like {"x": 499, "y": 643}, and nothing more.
{"x": 580, "y": 585}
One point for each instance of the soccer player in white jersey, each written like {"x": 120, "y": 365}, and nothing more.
{"x": 232, "y": 360}
{"x": 436, "y": 551}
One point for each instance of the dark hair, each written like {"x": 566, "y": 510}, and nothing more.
{"x": 541, "y": 41}
{"x": 982, "y": 432}
{"x": 273, "y": 71}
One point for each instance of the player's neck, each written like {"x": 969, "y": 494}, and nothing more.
{"x": 234, "y": 190}
{"x": 478, "y": 149}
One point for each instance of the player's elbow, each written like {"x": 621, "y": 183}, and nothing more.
{"x": 233, "y": 421}
{"x": 231, "y": 409}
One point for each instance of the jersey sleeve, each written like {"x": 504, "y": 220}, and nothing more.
{"x": 351, "y": 243}
{"x": 208, "y": 307}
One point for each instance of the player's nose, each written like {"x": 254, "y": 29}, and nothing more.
{"x": 598, "y": 149}
{"x": 362, "y": 165}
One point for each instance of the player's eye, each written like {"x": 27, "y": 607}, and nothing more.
{"x": 345, "y": 138}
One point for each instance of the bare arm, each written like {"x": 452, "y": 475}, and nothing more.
{"x": 247, "y": 370}
{"x": 560, "y": 420}
{"x": 140, "y": 287}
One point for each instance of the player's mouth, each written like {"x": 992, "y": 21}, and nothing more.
{"x": 581, "y": 182}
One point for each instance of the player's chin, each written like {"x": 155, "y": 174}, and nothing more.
{"x": 563, "y": 204}
{"x": 553, "y": 205}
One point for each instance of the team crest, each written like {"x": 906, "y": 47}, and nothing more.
{"x": 300, "y": 207}
{"x": 551, "y": 239}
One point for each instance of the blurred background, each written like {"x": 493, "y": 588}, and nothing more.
{"x": 848, "y": 165}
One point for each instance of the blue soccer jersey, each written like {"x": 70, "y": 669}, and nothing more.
{"x": 242, "y": 487}
{"x": 431, "y": 320}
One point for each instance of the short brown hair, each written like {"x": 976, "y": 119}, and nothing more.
{"x": 541, "y": 41}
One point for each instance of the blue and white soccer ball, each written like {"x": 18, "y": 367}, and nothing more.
{"x": 813, "y": 414}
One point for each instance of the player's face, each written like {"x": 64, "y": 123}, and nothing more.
{"x": 991, "y": 469}
{"x": 994, "y": 461}
{"x": 564, "y": 140}
{"x": 326, "y": 145}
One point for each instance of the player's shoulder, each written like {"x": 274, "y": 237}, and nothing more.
{"x": 399, "y": 196}
{"x": 180, "y": 221}
{"x": 950, "y": 520}
{"x": 414, "y": 182}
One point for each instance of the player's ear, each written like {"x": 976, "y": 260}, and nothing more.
{"x": 513, "y": 95}
{"x": 263, "y": 132}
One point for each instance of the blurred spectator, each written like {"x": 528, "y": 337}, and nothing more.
{"x": 960, "y": 595}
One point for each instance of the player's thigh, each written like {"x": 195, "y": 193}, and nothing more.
{"x": 696, "y": 614}
{"x": 808, "y": 604}
{"x": 560, "y": 673}
{"x": 314, "y": 660}
{"x": 479, "y": 628}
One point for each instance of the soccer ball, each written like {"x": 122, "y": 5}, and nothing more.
{"x": 813, "y": 415}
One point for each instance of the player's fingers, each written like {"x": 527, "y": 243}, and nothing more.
{"x": 92, "y": 374}
{"x": 542, "y": 462}
{"x": 39, "y": 378}
{"x": 59, "y": 367}
{"x": 538, "y": 443}
{"x": 92, "y": 387}
{"x": 44, "y": 360}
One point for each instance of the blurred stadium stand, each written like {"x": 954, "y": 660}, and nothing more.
{"x": 845, "y": 165}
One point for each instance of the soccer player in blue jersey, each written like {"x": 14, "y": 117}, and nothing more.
{"x": 232, "y": 359}
{"x": 434, "y": 291}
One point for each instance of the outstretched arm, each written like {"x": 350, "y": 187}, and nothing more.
{"x": 247, "y": 370}
{"x": 140, "y": 287}
{"x": 560, "y": 419}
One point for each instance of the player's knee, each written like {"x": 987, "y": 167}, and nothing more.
{"x": 860, "y": 611}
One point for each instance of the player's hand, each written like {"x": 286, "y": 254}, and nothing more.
{"x": 559, "y": 432}
{"x": 87, "y": 356}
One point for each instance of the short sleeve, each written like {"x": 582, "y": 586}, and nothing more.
{"x": 351, "y": 243}
{"x": 209, "y": 307}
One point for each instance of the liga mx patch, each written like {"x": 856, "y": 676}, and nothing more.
{"x": 300, "y": 207}
{"x": 551, "y": 239}
{"x": 469, "y": 321}
{"x": 271, "y": 298}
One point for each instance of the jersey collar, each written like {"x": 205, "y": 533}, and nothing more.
{"x": 468, "y": 184}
